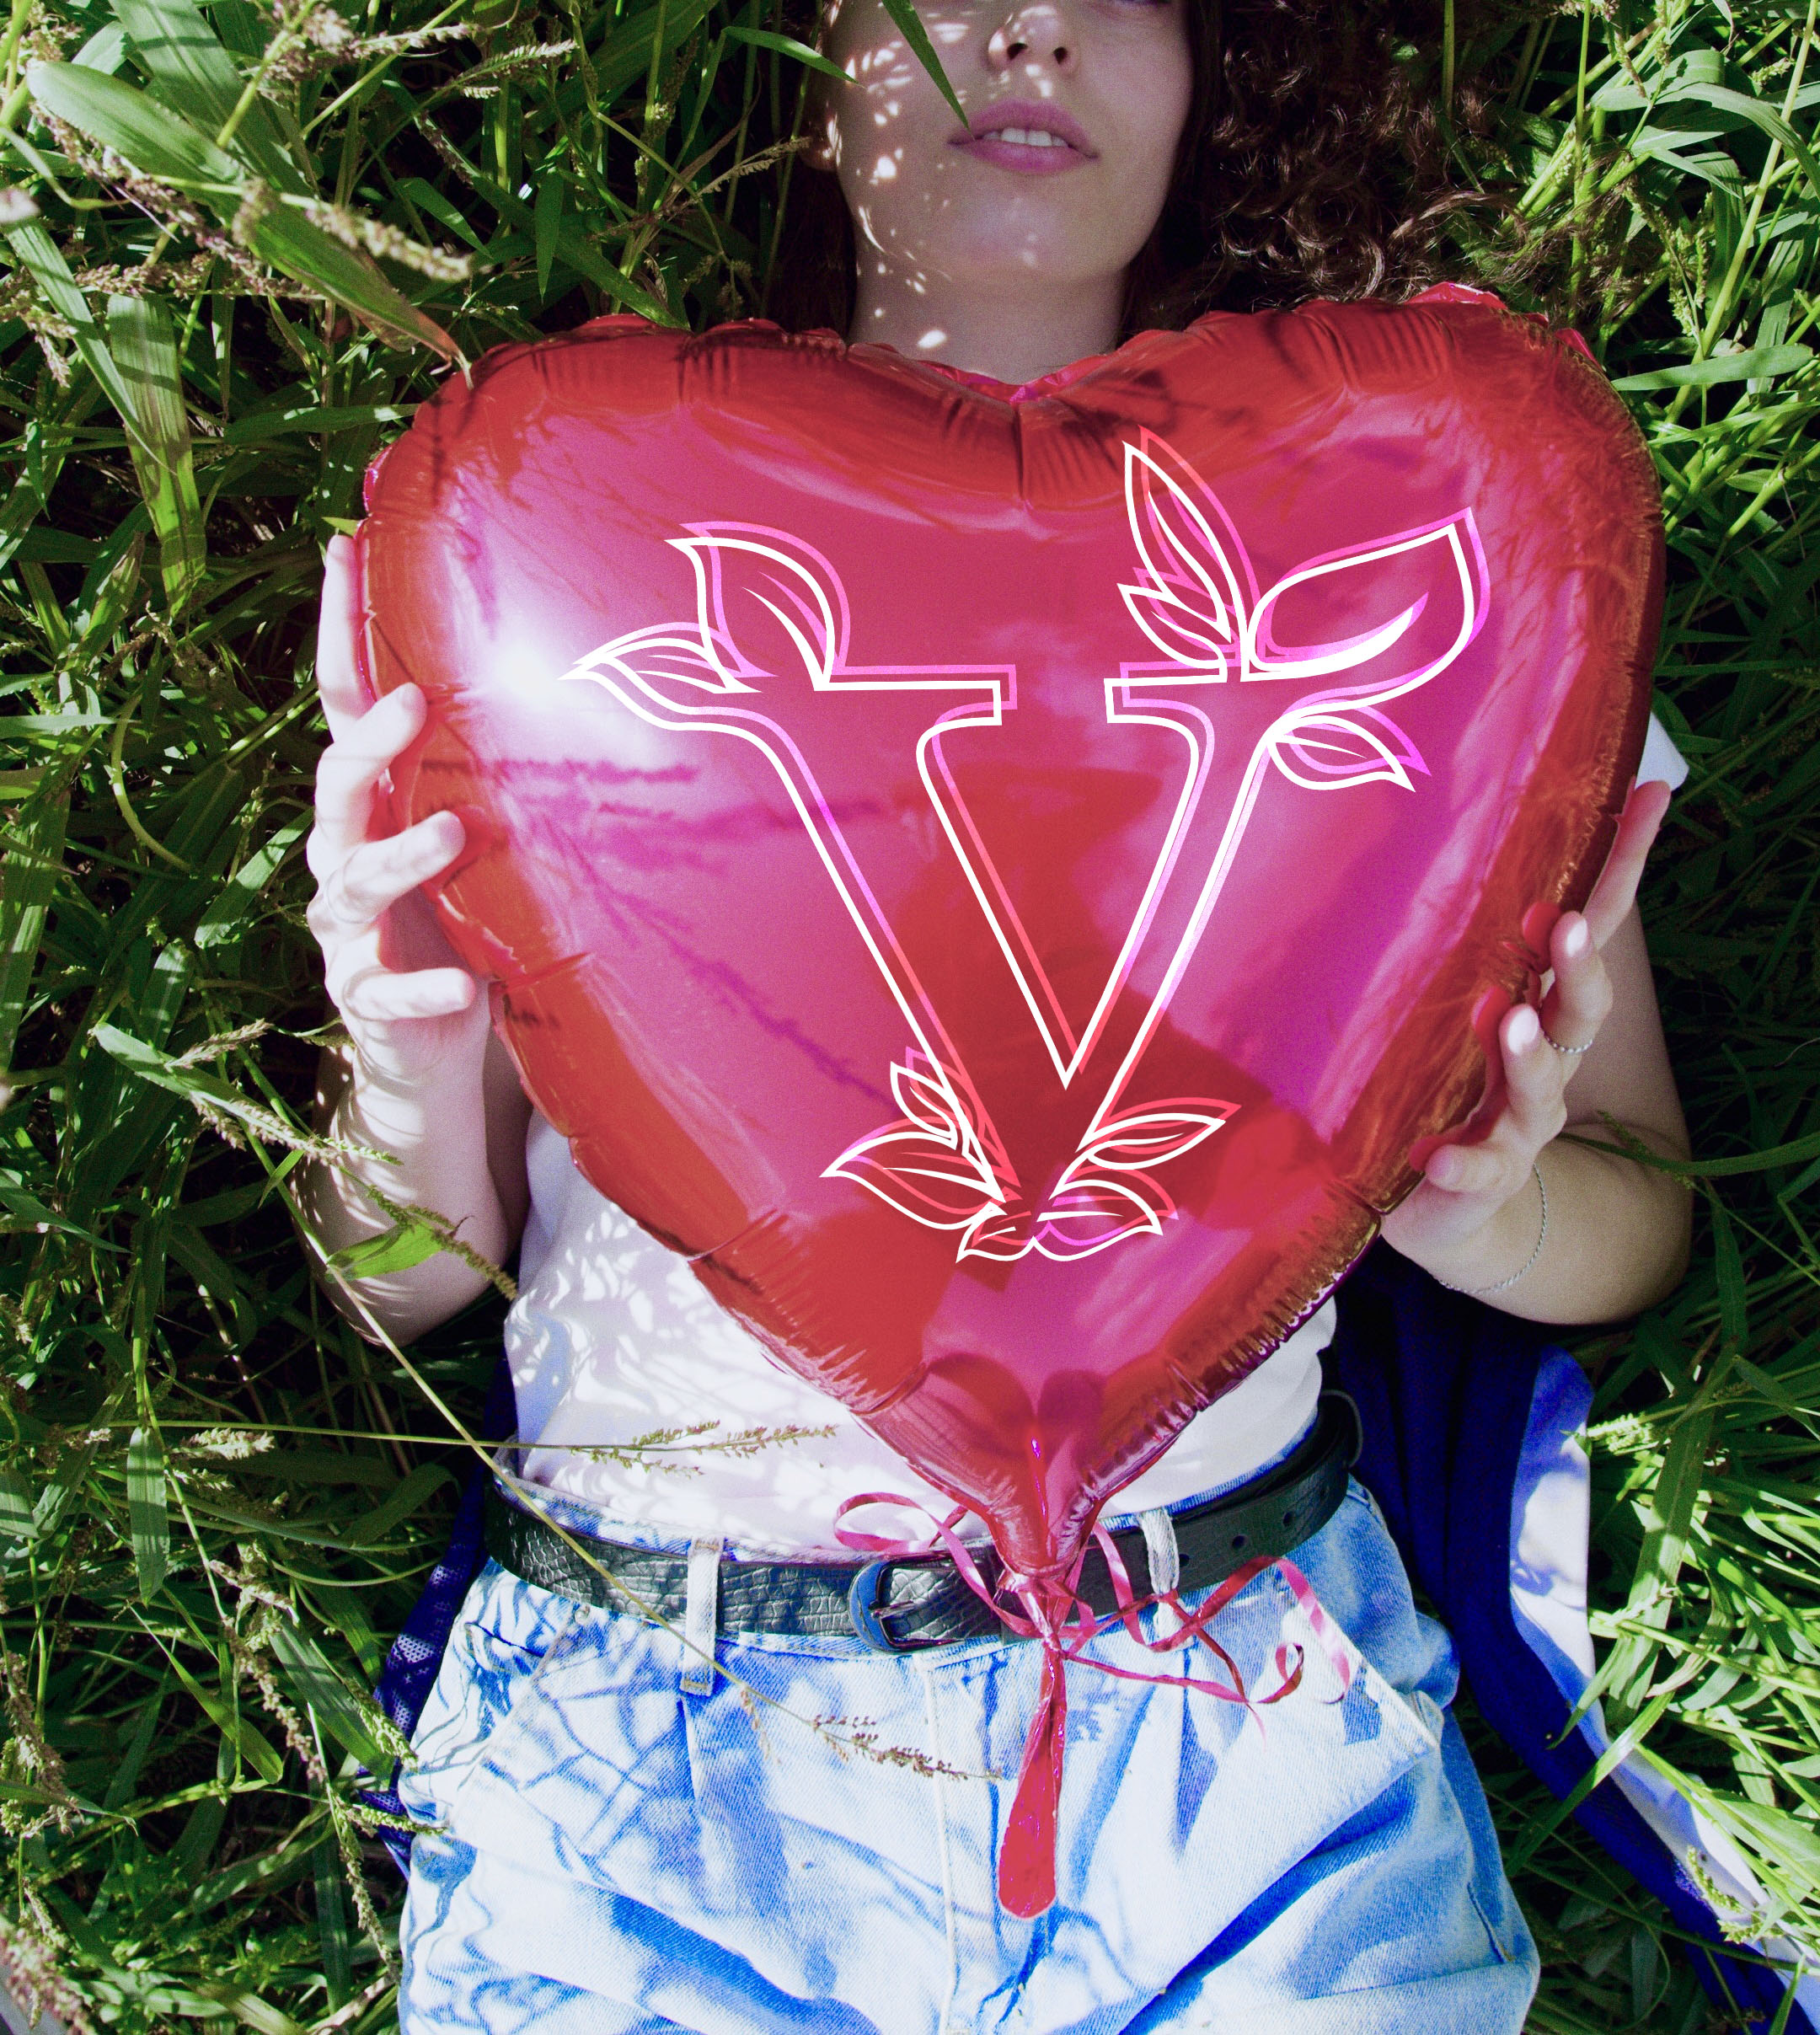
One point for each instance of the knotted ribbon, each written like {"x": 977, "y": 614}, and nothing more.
{"x": 1055, "y": 1614}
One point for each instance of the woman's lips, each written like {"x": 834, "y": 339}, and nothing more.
{"x": 1018, "y": 134}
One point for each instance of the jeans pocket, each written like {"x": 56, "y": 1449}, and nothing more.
{"x": 508, "y": 1632}
{"x": 584, "y": 1762}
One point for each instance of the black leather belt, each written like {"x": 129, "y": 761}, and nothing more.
{"x": 902, "y": 1605}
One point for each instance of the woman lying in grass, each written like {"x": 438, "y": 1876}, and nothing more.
{"x": 623, "y": 1842}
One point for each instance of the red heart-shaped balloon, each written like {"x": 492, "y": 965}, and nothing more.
{"x": 1000, "y": 879}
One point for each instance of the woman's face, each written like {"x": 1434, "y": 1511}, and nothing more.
{"x": 1074, "y": 110}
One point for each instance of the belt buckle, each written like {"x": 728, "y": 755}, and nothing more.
{"x": 867, "y": 1615}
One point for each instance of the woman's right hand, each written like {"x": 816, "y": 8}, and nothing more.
{"x": 411, "y": 1009}
{"x": 429, "y": 1108}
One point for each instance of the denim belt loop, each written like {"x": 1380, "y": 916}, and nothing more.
{"x": 1160, "y": 1545}
{"x": 701, "y": 1616}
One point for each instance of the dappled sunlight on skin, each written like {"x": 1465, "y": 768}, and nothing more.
{"x": 1023, "y": 220}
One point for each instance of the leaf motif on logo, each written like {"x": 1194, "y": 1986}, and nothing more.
{"x": 1089, "y": 1211}
{"x": 1188, "y": 600}
{"x": 1449, "y": 567}
{"x": 919, "y": 1175}
{"x": 929, "y": 1164}
{"x": 1002, "y": 1235}
{"x": 1092, "y": 1214}
{"x": 661, "y": 659}
{"x": 1150, "y": 1136}
{"x": 927, "y": 1102}
{"x": 1327, "y": 749}
{"x": 1175, "y": 630}
{"x": 744, "y": 574}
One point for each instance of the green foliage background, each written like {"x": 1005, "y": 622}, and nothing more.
{"x": 242, "y": 241}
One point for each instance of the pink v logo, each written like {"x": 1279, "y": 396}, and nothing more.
{"x": 772, "y": 625}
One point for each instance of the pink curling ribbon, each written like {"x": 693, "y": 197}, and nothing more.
{"x": 1055, "y": 1614}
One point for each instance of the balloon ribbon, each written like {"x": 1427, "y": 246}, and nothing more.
{"x": 1055, "y": 1613}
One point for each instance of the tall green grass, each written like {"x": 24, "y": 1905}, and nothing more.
{"x": 242, "y": 242}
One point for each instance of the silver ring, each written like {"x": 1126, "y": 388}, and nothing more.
{"x": 1569, "y": 1052}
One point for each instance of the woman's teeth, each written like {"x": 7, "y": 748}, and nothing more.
{"x": 1029, "y": 137}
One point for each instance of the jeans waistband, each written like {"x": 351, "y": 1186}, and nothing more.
{"x": 1196, "y": 1549}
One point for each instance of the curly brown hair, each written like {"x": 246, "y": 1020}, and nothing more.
{"x": 1314, "y": 162}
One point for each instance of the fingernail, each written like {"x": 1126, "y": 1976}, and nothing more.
{"x": 1443, "y": 1166}
{"x": 1576, "y": 939}
{"x": 1525, "y": 1029}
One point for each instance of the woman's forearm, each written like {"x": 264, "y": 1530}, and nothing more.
{"x": 1617, "y": 1241}
{"x": 435, "y": 1130}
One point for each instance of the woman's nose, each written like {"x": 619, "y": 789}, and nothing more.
{"x": 1033, "y": 35}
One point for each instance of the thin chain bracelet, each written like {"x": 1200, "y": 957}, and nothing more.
{"x": 1478, "y": 1292}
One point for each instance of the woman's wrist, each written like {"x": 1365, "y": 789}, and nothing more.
{"x": 380, "y": 1103}
{"x": 409, "y": 1104}
{"x": 1529, "y": 1265}
{"x": 419, "y": 1141}
{"x": 1502, "y": 1251}
{"x": 1615, "y": 1240}
{"x": 422, "y": 1140}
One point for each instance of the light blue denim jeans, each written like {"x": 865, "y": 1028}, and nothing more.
{"x": 811, "y": 1845}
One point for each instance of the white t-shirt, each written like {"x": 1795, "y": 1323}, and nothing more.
{"x": 638, "y": 1394}
{"x": 613, "y": 1338}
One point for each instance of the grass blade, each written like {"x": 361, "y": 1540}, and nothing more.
{"x": 28, "y": 876}
{"x": 142, "y": 337}
{"x": 147, "y": 1511}
{"x": 194, "y": 75}
{"x": 909, "y": 23}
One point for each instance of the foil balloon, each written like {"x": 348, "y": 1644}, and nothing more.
{"x": 1000, "y": 879}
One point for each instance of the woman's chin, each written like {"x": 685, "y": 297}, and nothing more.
{"x": 994, "y": 266}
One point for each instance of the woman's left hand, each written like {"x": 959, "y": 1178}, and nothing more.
{"x": 1462, "y": 1221}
